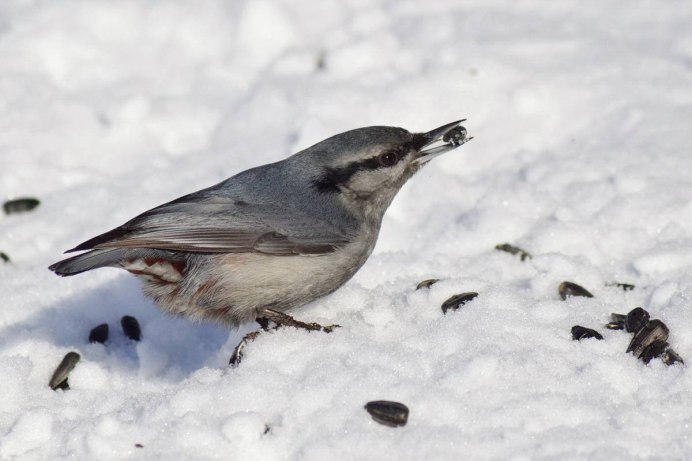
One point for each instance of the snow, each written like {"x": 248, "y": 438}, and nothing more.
{"x": 580, "y": 113}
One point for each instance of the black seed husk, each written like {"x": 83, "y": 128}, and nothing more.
{"x": 654, "y": 331}
{"x": 389, "y": 413}
{"x": 636, "y": 319}
{"x": 131, "y": 327}
{"x": 579, "y": 332}
{"x": 671, "y": 357}
{"x": 427, "y": 283}
{"x": 567, "y": 289}
{"x": 59, "y": 378}
{"x": 20, "y": 205}
{"x": 63, "y": 386}
{"x": 4, "y": 257}
{"x": 456, "y": 301}
{"x": 653, "y": 350}
{"x": 99, "y": 334}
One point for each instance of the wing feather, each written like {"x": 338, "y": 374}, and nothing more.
{"x": 223, "y": 225}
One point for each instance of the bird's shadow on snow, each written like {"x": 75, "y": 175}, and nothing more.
{"x": 171, "y": 349}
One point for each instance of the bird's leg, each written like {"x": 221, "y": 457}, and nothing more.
{"x": 237, "y": 355}
{"x": 281, "y": 319}
{"x": 263, "y": 323}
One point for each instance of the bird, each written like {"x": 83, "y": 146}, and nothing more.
{"x": 272, "y": 238}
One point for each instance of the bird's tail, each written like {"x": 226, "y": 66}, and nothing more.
{"x": 87, "y": 261}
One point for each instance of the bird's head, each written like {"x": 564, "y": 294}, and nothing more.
{"x": 366, "y": 167}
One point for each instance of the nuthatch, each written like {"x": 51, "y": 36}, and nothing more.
{"x": 271, "y": 238}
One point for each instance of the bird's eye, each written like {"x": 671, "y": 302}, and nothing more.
{"x": 389, "y": 158}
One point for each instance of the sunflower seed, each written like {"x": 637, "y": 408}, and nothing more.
{"x": 615, "y": 325}
{"x": 389, "y": 413}
{"x": 653, "y": 350}
{"x": 99, "y": 334}
{"x": 654, "y": 331}
{"x": 579, "y": 333}
{"x": 4, "y": 257}
{"x": 568, "y": 289}
{"x": 59, "y": 378}
{"x": 427, "y": 283}
{"x": 456, "y": 136}
{"x": 20, "y": 205}
{"x": 636, "y": 319}
{"x": 131, "y": 328}
{"x": 456, "y": 301}
{"x": 670, "y": 357}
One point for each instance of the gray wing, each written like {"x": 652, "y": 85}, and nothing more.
{"x": 223, "y": 225}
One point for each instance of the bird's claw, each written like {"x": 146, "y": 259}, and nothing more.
{"x": 237, "y": 355}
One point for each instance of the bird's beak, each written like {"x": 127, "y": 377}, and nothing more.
{"x": 452, "y": 134}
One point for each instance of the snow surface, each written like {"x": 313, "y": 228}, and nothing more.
{"x": 581, "y": 113}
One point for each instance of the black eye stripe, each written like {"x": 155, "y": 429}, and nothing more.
{"x": 332, "y": 178}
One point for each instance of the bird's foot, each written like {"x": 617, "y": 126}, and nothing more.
{"x": 237, "y": 355}
{"x": 282, "y": 319}
{"x": 279, "y": 319}
{"x": 263, "y": 323}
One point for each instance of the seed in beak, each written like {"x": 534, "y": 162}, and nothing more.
{"x": 456, "y": 136}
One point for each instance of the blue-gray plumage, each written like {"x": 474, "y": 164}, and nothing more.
{"x": 273, "y": 237}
